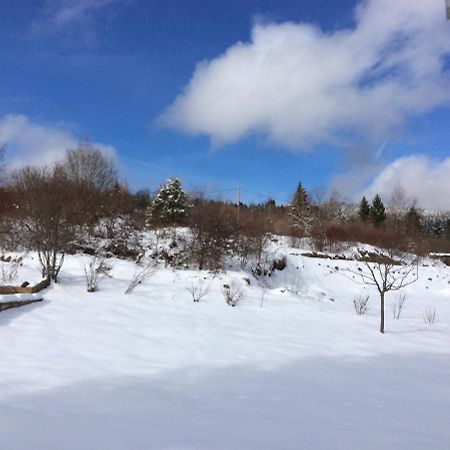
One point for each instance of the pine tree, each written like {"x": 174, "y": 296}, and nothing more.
{"x": 377, "y": 211}
{"x": 170, "y": 205}
{"x": 300, "y": 210}
{"x": 364, "y": 210}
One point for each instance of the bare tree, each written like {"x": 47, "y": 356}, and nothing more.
{"x": 2, "y": 166}
{"x": 94, "y": 179}
{"x": 387, "y": 270}
{"x": 397, "y": 204}
{"x": 44, "y": 197}
{"x": 88, "y": 165}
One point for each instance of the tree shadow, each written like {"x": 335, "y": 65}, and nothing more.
{"x": 9, "y": 315}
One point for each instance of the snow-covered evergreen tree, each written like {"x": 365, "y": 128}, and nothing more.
{"x": 436, "y": 224}
{"x": 170, "y": 205}
{"x": 300, "y": 211}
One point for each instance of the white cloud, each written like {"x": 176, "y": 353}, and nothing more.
{"x": 68, "y": 11}
{"x": 299, "y": 86}
{"x": 30, "y": 143}
{"x": 61, "y": 14}
{"x": 420, "y": 178}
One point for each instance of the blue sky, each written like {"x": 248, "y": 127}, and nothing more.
{"x": 303, "y": 102}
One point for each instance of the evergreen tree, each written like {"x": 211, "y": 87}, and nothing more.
{"x": 364, "y": 210}
{"x": 377, "y": 211}
{"x": 170, "y": 205}
{"x": 300, "y": 210}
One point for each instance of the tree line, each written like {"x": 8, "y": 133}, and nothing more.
{"x": 79, "y": 201}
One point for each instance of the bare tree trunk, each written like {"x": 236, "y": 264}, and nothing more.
{"x": 382, "y": 312}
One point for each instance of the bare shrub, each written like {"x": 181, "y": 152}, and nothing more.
{"x": 295, "y": 284}
{"x": 365, "y": 233}
{"x": 264, "y": 268}
{"x": 213, "y": 227}
{"x": 94, "y": 271}
{"x": 140, "y": 275}
{"x": 397, "y": 305}
{"x": 197, "y": 289}
{"x": 45, "y": 198}
{"x": 10, "y": 269}
{"x": 263, "y": 295}
{"x": 122, "y": 238}
{"x": 361, "y": 304}
{"x": 253, "y": 237}
{"x": 327, "y": 211}
{"x": 232, "y": 293}
{"x": 430, "y": 315}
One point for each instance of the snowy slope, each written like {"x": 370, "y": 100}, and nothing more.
{"x": 155, "y": 370}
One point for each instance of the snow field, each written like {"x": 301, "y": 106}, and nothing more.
{"x": 153, "y": 369}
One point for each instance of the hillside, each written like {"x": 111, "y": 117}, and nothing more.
{"x": 155, "y": 370}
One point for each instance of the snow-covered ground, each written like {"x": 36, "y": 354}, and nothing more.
{"x": 154, "y": 370}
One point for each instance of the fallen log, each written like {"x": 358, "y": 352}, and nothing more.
{"x": 5, "y": 290}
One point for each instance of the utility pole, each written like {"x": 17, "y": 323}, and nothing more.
{"x": 447, "y": 8}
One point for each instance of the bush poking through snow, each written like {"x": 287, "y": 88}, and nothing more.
{"x": 361, "y": 304}
{"x": 140, "y": 275}
{"x": 10, "y": 269}
{"x": 279, "y": 264}
{"x": 397, "y": 305}
{"x": 94, "y": 271}
{"x": 197, "y": 290}
{"x": 263, "y": 296}
{"x": 295, "y": 285}
{"x": 232, "y": 293}
{"x": 429, "y": 316}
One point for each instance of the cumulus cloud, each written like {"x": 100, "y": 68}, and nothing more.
{"x": 30, "y": 143}
{"x": 420, "y": 177}
{"x": 299, "y": 85}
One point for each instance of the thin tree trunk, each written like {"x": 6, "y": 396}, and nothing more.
{"x": 382, "y": 312}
